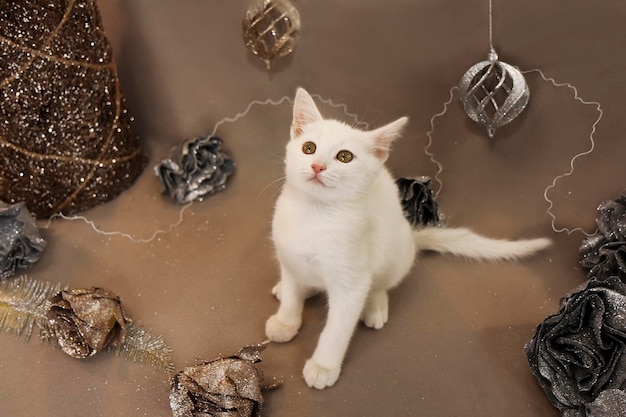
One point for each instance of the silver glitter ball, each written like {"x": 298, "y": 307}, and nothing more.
{"x": 493, "y": 93}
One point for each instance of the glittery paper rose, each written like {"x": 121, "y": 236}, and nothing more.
{"x": 224, "y": 387}
{"x": 86, "y": 321}
{"x": 67, "y": 140}
{"x": 579, "y": 354}
{"x": 418, "y": 202}
{"x": 20, "y": 243}
{"x": 604, "y": 253}
{"x": 195, "y": 170}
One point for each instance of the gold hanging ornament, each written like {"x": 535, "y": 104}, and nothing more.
{"x": 271, "y": 29}
{"x": 493, "y": 92}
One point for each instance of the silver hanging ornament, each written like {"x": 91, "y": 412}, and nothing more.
{"x": 271, "y": 29}
{"x": 493, "y": 93}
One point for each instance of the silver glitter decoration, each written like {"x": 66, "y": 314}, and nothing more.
{"x": 271, "y": 29}
{"x": 493, "y": 93}
{"x": 195, "y": 170}
{"x": 20, "y": 243}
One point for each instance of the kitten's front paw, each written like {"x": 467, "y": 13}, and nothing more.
{"x": 278, "y": 331}
{"x": 320, "y": 377}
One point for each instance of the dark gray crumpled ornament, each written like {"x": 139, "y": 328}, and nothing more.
{"x": 418, "y": 202}
{"x": 223, "y": 387}
{"x": 604, "y": 253}
{"x": 195, "y": 170}
{"x": 20, "y": 243}
{"x": 579, "y": 354}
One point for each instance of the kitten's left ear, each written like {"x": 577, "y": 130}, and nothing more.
{"x": 384, "y": 136}
{"x": 304, "y": 112}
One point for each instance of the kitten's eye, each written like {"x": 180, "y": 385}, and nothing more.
{"x": 308, "y": 148}
{"x": 344, "y": 156}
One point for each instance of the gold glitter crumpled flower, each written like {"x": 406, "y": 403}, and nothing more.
{"x": 224, "y": 387}
{"x": 86, "y": 321}
{"x": 67, "y": 139}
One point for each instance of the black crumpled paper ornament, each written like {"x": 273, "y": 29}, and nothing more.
{"x": 604, "y": 253}
{"x": 195, "y": 170}
{"x": 579, "y": 354}
{"x": 20, "y": 243}
{"x": 223, "y": 387}
{"x": 418, "y": 202}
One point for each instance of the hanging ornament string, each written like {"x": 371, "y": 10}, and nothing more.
{"x": 592, "y": 146}
{"x": 178, "y": 222}
{"x": 493, "y": 92}
{"x": 548, "y": 189}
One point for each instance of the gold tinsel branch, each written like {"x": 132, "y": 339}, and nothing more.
{"x": 24, "y": 302}
{"x": 142, "y": 346}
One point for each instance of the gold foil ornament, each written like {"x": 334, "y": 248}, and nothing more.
{"x": 271, "y": 29}
{"x": 230, "y": 386}
{"x": 493, "y": 93}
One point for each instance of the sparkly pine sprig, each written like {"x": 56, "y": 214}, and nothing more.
{"x": 25, "y": 303}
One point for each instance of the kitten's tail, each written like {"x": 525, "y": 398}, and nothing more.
{"x": 464, "y": 242}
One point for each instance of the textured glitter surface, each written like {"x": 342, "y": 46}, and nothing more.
{"x": 196, "y": 169}
{"x": 228, "y": 386}
{"x": 271, "y": 29}
{"x": 86, "y": 321}
{"x": 493, "y": 93}
{"x": 604, "y": 253}
{"x": 418, "y": 201}
{"x": 67, "y": 141}
{"x": 578, "y": 353}
{"x": 20, "y": 243}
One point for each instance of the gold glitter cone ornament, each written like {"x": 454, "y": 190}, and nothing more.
{"x": 67, "y": 141}
{"x": 493, "y": 93}
{"x": 271, "y": 29}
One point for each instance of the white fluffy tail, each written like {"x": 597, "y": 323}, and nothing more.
{"x": 464, "y": 242}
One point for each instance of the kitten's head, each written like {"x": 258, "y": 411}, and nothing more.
{"x": 331, "y": 160}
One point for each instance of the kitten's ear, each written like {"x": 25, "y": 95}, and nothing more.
{"x": 384, "y": 136}
{"x": 304, "y": 112}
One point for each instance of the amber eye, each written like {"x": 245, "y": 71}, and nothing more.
{"x": 308, "y": 148}
{"x": 344, "y": 156}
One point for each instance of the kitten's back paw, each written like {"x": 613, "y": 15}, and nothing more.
{"x": 277, "y": 330}
{"x": 320, "y": 377}
{"x": 376, "y": 311}
{"x": 375, "y": 319}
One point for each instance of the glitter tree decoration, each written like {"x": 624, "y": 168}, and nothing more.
{"x": 67, "y": 141}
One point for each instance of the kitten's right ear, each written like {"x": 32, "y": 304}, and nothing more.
{"x": 304, "y": 112}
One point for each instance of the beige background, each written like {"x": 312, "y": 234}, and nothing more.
{"x": 454, "y": 343}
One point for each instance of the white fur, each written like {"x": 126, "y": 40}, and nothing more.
{"x": 343, "y": 232}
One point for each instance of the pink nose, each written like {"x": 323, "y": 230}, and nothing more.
{"x": 318, "y": 168}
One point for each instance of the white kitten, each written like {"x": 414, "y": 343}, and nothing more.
{"x": 339, "y": 228}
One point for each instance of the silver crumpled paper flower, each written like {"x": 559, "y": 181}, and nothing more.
{"x": 20, "y": 243}
{"x": 196, "y": 169}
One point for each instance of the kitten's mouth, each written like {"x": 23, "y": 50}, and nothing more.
{"x": 315, "y": 180}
